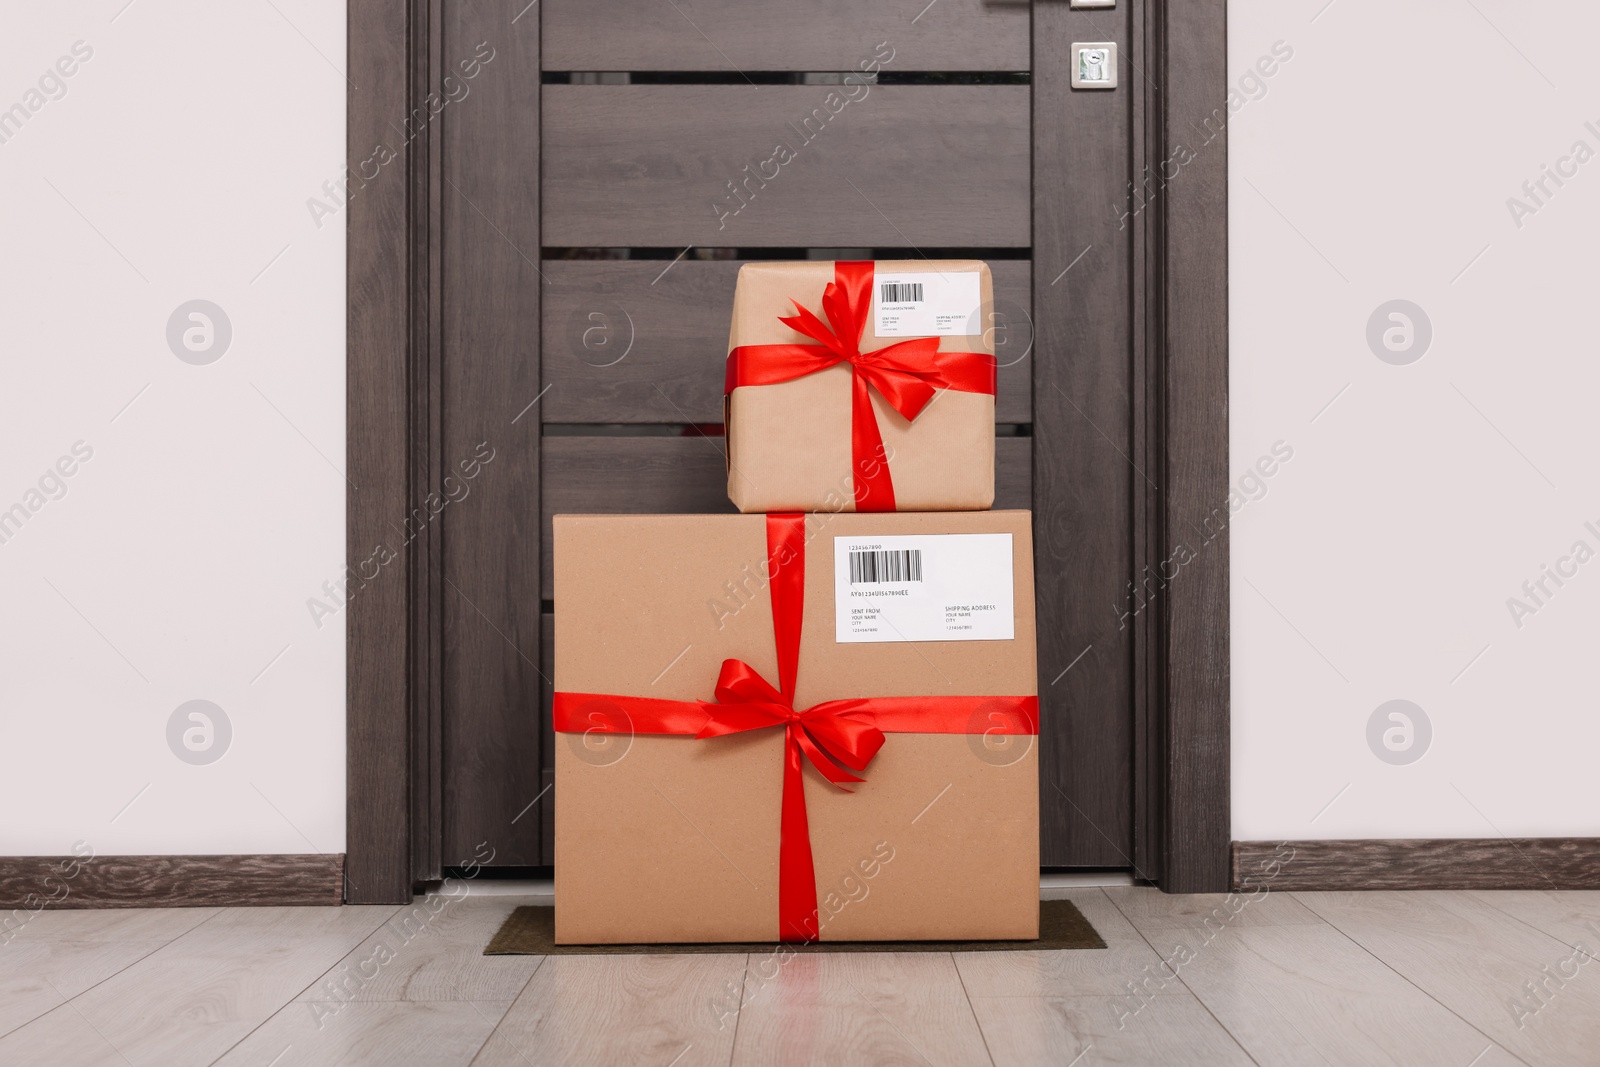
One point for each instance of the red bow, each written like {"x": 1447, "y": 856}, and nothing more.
{"x": 908, "y": 374}
{"x": 847, "y": 732}
{"x": 830, "y": 733}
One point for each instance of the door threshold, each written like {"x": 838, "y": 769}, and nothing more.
{"x": 1053, "y": 885}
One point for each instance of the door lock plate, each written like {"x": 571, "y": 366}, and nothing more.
{"x": 1094, "y": 64}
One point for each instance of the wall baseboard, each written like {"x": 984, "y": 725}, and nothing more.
{"x": 1431, "y": 863}
{"x": 35, "y": 883}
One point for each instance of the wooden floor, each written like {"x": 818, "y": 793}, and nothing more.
{"x": 1456, "y": 979}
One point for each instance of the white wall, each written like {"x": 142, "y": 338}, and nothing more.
{"x": 1375, "y": 165}
{"x": 1378, "y": 566}
{"x": 176, "y": 567}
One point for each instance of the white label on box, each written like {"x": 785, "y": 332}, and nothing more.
{"x": 926, "y": 305}
{"x": 928, "y": 587}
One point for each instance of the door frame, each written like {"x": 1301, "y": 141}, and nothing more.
{"x": 1180, "y": 300}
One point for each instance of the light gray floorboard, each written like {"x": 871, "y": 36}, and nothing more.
{"x": 192, "y": 999}
{"x": 37, "y": 976}
{"x": 52, "y": 955}
{"x": 1293, "y": 990}
{"x": 878, "y": 1008}
{"x": 1126, "y": 961}
{"x": 607, "y": 1010}
{"x": 1116, "y": 1005}
{"x": 1154, "y": 912}
{"x": 430, "y": 951}
{"x": 1481, "y": 963}
{"x": 1574, "y": 917}
{"x": 434, "y": 1033}
{"x": 1087, "y": 1030}
{"x": 112, "y": 924}
{"x": 1455, "y": 979}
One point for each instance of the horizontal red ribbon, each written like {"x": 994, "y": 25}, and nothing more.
{"x": 577, "y": 713}
{"x": 836, "y": 736}
{"x": 908, "y": 374}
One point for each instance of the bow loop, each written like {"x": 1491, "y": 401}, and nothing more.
{"x": 845, "y": 302}
{"x": 739, "y": 683}
{"x": 805, "y": 321}
{"x": 844, "y": 732}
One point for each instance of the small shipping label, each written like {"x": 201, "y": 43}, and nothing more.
{"x": 928, "y": 587}
{"x": 926, "y": 305}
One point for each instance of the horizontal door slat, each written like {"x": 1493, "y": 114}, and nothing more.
{"x": 754, "y": 35}
{"x": 943, "y": 166}
{"x": 669, "y": 475}
{"x": 643, "y": 341}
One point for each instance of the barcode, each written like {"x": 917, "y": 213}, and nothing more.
{"x": 898, "y": 565}
{"x": 900, "y": 292}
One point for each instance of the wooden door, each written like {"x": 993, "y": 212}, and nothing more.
{"x": 598, "y": 180}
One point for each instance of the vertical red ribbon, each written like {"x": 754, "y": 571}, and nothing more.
{"x": 847, "y": 304}
{"x": 797, "y": 877}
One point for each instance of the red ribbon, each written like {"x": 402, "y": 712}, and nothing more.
{"x": 832, "y": 736}
{"x": 908, "y": 374}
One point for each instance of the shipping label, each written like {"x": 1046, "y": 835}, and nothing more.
{"x": 925, "y": 587}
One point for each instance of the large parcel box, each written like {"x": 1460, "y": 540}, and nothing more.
{"x": 795, "y": 727}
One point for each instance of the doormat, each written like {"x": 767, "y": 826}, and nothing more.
{"x": 531, "y": 931}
